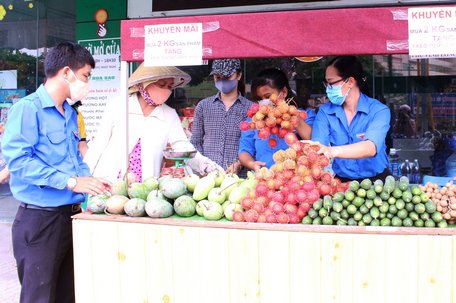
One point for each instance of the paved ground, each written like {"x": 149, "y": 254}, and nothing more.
{"x": 9, "y": 283}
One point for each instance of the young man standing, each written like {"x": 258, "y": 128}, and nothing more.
{"x": 48, "y": 176}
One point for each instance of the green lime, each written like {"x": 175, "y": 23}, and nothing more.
{"x": 420, "y": 208}
{"x": 442, "y": 224}
{"x": 345, "y": 203}
{"x": 358, "y": 216}
{"x": 366, "y": 184}
{"x": 334, "y": 215}
{"x": 407, "y": 222}
{"x": 384, "y": 208}
{"x": 378, "y": 188}
{"x": 384, "y": 195}
{"x": 392, "y": 209}
{"x": 402, "y": 214}
{"x": 416, "y": 199}
{"x": 400, "y": 204}
{"x": 358, "y": 201}
{"x": 367, "y": 219}
{"x": 407, "y": 196}
{"x": 312, "y": 213}
{"x": 382, "y": 216}
{"x": 375, "y": 222}
{"x": 338, "y": 197}
{"x": 424, "y": 197}
{"x": 430, "y": 207}
{"x": 419, "y": 223}
{"x": 344, "y": 214}
{"x": 352, "y": 222}
{"x": 396, "y": 221}
{"x": 363, "y": 209}
{"x": 389, "y": 215}
{"x": 318, "y": 204}
{"x": 327, "y": 221}
{"x": 437, "y": 217}
{"x": 378, "y": 201}
{"x": 322, "y": 212}
{"x": 361, "y": 223}
{"x": 429, "y": 223}
{"x": 349, "y": 195}
{"x": 409, "y": 206}
{"x": 385, "y": 222}
{"x": 397, "y": 193}
{"x": 354, "y": 185}
{"x": 416, "y": 191}
{"x": 369, "y": 203}
{"x": 307, "y": 220}
{"x": 425, "y": 216}
{"x": 371, "y": 194}
{"x": 414, "y": 216}
{"x": 361, "y": 193}
{"x": 374, "y": 212}
{"x": 378, "y": 182}
{"x": 316, "y": 221}
{"x": 352, "y": 209}
{"x": 338, "y": 207}
{"x": 391, "y": 201}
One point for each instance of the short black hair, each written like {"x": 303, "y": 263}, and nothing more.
{"x": 70, "y": 54}
{"x": 350, "y": 66}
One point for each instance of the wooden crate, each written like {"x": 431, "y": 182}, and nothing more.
{"x": 122, "y": 259}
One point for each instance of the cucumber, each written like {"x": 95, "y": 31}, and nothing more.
{"x": 390, "y": 183}
{"x": 403, "y": 183}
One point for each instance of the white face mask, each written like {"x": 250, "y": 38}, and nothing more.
{"x": 78, "y": 89}
{"x": 264, "y": 102}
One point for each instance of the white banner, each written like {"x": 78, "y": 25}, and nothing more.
{"x": 173, "y": 44}
{"x": 432, "y": 32}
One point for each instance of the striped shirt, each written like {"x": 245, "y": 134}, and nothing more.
{"x": 215, "y": 132}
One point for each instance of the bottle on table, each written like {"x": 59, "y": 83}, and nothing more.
{"x": 406, "y": 170}
{"x": 416, "y": 174}
{"x": 394, "y": 163}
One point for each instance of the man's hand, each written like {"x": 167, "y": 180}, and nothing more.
{"x": 92, "y": 185}
{"x": 234, "y": 168}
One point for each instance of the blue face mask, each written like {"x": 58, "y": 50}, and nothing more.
{"x": 226, "y": 86}
{"x": 334, "y": 94}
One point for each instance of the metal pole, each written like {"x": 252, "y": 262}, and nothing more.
{"x": 124, "y": 72}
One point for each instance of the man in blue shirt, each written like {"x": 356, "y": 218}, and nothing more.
{"x": 48, "y": 176}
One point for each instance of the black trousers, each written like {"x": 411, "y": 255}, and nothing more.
{"x": 43, "y": 249}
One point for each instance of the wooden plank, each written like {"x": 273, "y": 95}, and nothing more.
{"x": 337, "y": 268}
{"x": 243, "y": 266}
{"x": 368, "y": 259}
{"x": 131, "y": 255}
{"x": 434, "y": 273}
{"x": 159, "y": 264}
{"x": 305, "y": 267}
{"x": 274, "y": 267}
{"x": 401, "y": 269}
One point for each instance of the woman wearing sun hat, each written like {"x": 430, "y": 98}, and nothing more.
{"x": 152, "y": 125}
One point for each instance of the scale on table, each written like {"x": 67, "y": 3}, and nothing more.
{"x": 179, "y": 157}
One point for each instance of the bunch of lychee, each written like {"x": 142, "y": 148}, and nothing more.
{"x": 277, "y": 118}
{"x": 286, "y": 191}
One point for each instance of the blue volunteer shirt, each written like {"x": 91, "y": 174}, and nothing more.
{"x": 371, "y": 122}
{"x": 40, "y": 146}
{"x": 259, "y": 149}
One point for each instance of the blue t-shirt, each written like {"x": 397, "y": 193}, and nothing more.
{"x": 371, "y": 122}
{"x": 259, "y": 149}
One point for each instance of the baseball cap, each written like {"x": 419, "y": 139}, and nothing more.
{"x": 225, "y": 67}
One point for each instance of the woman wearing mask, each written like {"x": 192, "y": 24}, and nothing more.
{"x": 254, "y": 152}
{"x": 152, "y": 125}
{"x": 352, "y": 127}
{"x": 216, "y": 131}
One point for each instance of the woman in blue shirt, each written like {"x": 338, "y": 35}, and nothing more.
{"x": 254, "y": 152}
{"x": 352, "y": 127}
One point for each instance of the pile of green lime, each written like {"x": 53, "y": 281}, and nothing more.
{"x": 393, "y": 203}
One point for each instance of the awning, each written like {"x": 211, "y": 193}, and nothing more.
{"x": 291, "y": 33}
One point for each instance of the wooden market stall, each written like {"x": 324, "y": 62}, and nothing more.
{"x": 122, "y": 259}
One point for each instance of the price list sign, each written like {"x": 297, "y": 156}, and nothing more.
{"x": 173, "y": 44}
{"x": 432, "y": 32}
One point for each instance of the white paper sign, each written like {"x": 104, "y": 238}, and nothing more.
{"x": 173, "y": 44}
{"x": 8, "y": 79}
{"x": 432, "y": 32}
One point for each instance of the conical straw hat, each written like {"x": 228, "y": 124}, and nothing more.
{"x": 147, "y": 75}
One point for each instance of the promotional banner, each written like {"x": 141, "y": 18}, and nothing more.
{"x": 104, "y": 82}
{"x": 432, "y": 32}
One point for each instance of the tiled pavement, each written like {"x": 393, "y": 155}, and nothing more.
{"x": 9, "y": 283}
